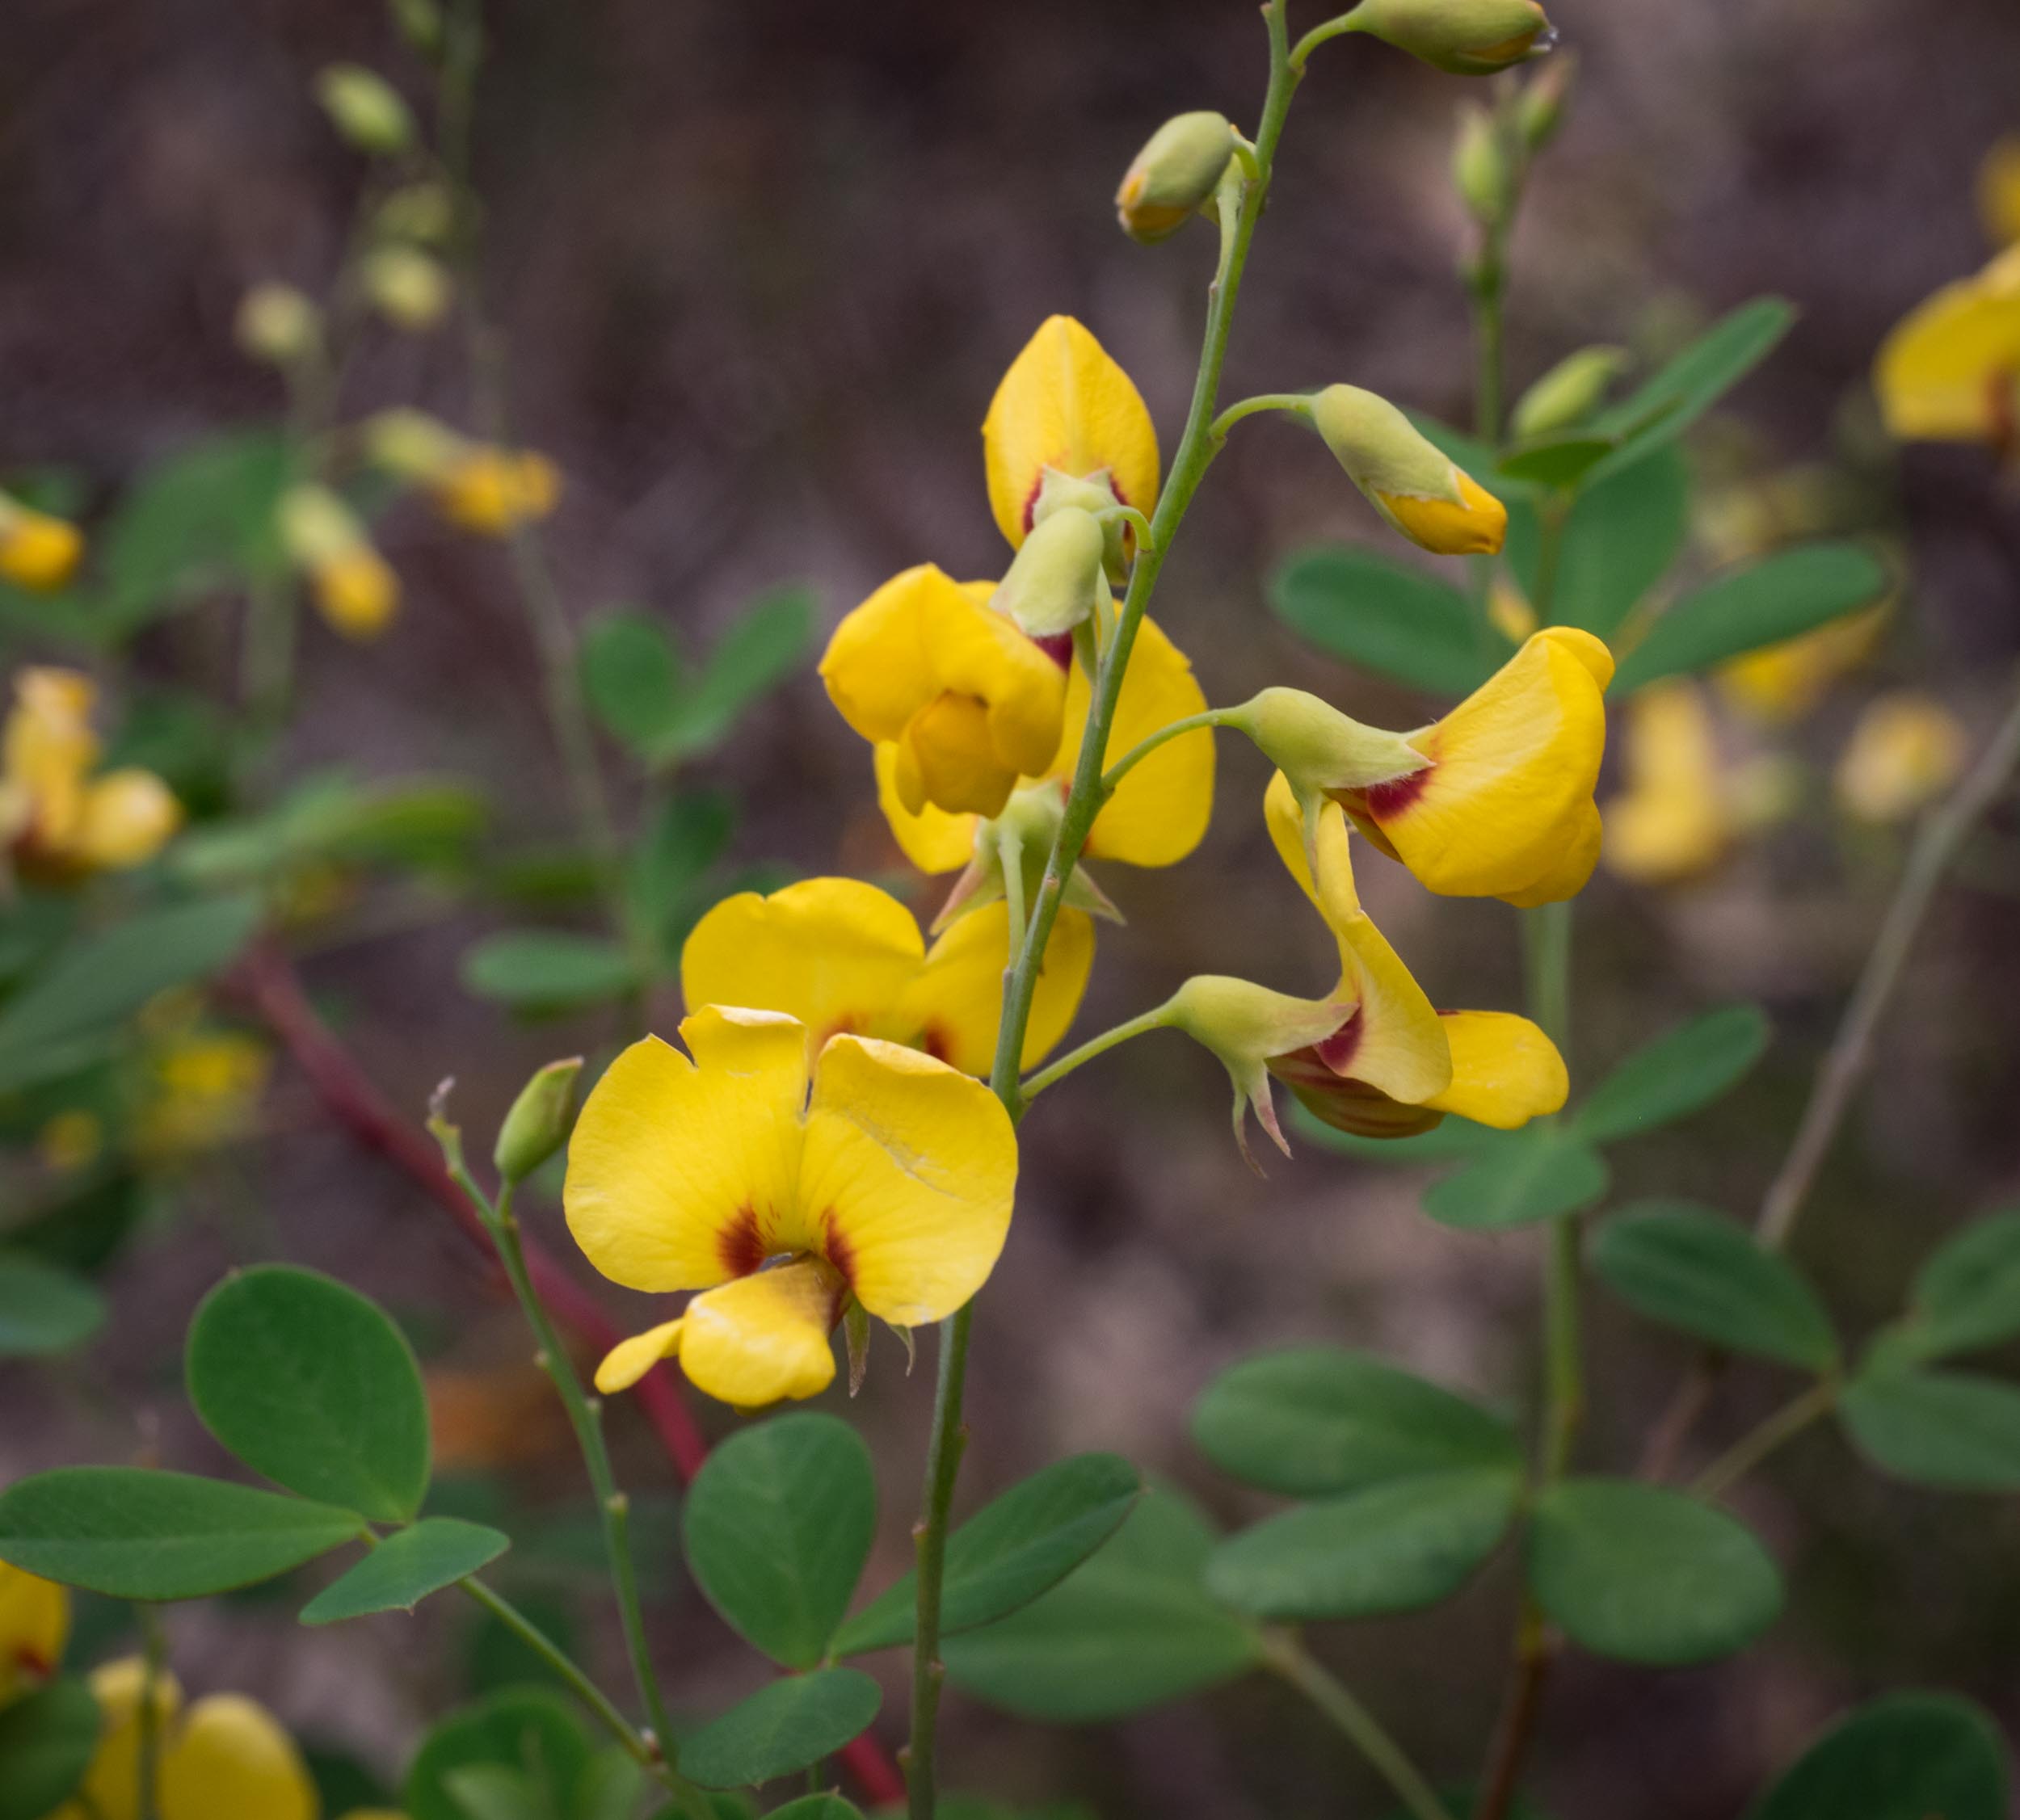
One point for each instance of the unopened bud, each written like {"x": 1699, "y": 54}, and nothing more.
{"x": 278, "y": 325}
{"x": 410, "y": 444}
{"x": 1319, "y": 748}
{"x": 316, "y": 525}
{"x": 1033, "y": 815}
{"x": 355, "y": 589}
{"x": 1480, "y": 168}
{"x": 1176, "y": 171}
{"x": 410, "y": 288}
{"x": 1568, "y": 393}
{"x": 421, "y": 213}
{"x": 1462, "y": 37}
{"x": 1413, "y": 484}
{"x": 539, "y": 1122}
{"x": 37, "y": 552}
{"x": 1056, "y": 581}
{"x": 419, "y": 22}
{"x": 1539, "y": 111}
{"x": 365, "y": 109}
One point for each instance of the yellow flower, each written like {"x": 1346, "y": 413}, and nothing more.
{"x": 226, "y": 1757}
{"x": 35, "y": 1624}
{"x": 964, "y": 700}
{"x": 493, "y": 491}
{"x": 1950, "y": 371}
{"x": 1066, "y": 413}
{"x": 1906, "y": 750}
{"x": 1999, "y": 191}
{"x": 356, "y": 591}
{"x": 61, "y": 819}
{"x": 841, "y": 955}
{"x": 204, "y": 1089}
{"x": 1781, "y": 683}
{"x": 37, "y": 552}
{"x": 1419, "y": 490}
{"x": 1671, "y": 821}
{"x": 893, "y": 1181}
{"x": 1160, "y": 811}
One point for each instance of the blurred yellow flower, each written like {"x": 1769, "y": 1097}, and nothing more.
{"x": 71, "y": 1140}
{"x": 60, "y": 819}
{"x": 1671, "y": 822}
{"x": 35, "y": 1624}
{"x": 893, "y": 1183}
{"x": 1950, "y": 371}
{"x": 477, "y": 487}
{"x": 37, "y": 552}
{"x": 841, "y": 955}
{"x": 1906, "y": 750}
{"x": 204, "y": 1089}
{"x": 1999, "y": 191}
{"x": 355, "y": 589}
{"x": 1779, "y": 683}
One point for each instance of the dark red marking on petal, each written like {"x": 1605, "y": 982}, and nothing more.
{"x": 937, "y": 1044}
{"x": 1059, "y": 647}
{"x": 1337, "y": 1051}
{"x": 1031, "y": 499}
{"x": 837, "y": 1249}
{"x": 34, "y": 1663}
{"x": 740, "y": 1245}
{"x": 1383, "y": 802}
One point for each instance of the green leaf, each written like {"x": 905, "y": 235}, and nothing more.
{"x": 1395, "y": 621}
{"x": 1546, "y": 1175}
{"x": 778, "y": 1524}
{"x": 134, "y": 1534}
{"x": 1563, "y": 461}
{"x": 1646, "y": 1575}
{"x": 831, "y": 1807}
{"x": 331, "y": 819}
{"x": 1315, "y": 1420}
{"x": 631, "y": 673}
{"x": 1669, "y": 1078}
{"x": 45, "y": 1309}
{"x": 1968, "y": 1295}
{"x": 527, "y": 1730}
{"x": 1619, "y": 540}
{"x": 491, "y": 1792}
{"x": 1953, "y": 1430}
{"x": 1132, "y": 1627}
{"x": 46, "y": 1742}
{"x": 1908, "y": 1756}
{"x": 546, "y": 970}
{"x": 1396, "y": 1547}
{"x": 780, "y": 1729}
{"x": 1453, "y": 1140}
{"x": 1690, "y": 1267}
{"x": 404, "y": 1568}
{"x": 71, "y": 1012}
{"x": 311, "y": 1384}
{"x": 610, "y": 1789}
{"x": 686, "y": 837}
{"x": 758, "y": 653}
{"x": 1014, "y": 1548}
{"x": 1666, "y": 404}
{"x": 1790, "y": 592}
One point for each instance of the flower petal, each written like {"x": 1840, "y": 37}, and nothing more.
{"x": 232, "y": 1761}
{"x": 629, "y": 1360}
{"x": 1671, "y": 821}
{"x": 763, "y": 1337}
{"x": 1504, "y": 1070}
{"x": 947, "y": 759}
{"x": 1065, "y": 405}
{"x": 1947, "y": 371}
{"x": 878, "y": 666}
{"x": 111, "y": 1787}
{"x": 909, "y": 1172}
{"x": 933, "y": 839}
{"x": 681, "y": 1174}
{"x": 127, "y": 817}
{"x": 833, "y": 952}
{"x": 35, "y": 1624}
{"x": 953, "y": 1008}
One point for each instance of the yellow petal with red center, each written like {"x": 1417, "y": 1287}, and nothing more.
{"x": 681, "y": 1174}
{"x": 127, "y": 817}
{"x": 1504, "y": 1070}
{"x": 763, "y": 1338}
{"x": 833, "y": 952}
{"x": 934, "y": 840}
{"x": 111, "y": 1787}
{"x": 1950, "y": 371}
{"x": 907, "y": 1178}
{"x": 1065, "y": 405}
{"x": 1507, "y": 788}
{"x": 1160, "y": 811}
{"x": 629, "y": 1360}
{"x": 35, "y": 1624}
{"x": 953, "y": 1009}
{"x": 230, "y": 1760}
{"x": 1474, "y": 524}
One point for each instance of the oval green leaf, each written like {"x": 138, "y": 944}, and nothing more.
{"x": 1648, "y": 1576}
{"x": 533, "y": 1733}
{"x": 631, "y": 675}
{"x": 1313, "y": 1422}
{"x": 1398, "y": 622}
{"x": 404, "y": 1568}
{"x": 46, "y": 1742}
{"x": 1689, "y": 1267}
{"x": 311, "y": 1384}
{"x": 778, "y": 1524}
{"x": 45, "y": 1309}
{"x": 1397, "y": 1547}
{"x": 1911, "y": 1756}
{"x": 546, "y": 970}
{"x": 1953, "y": 1430}
{"x": 782, "y": 1729}
{"x": 1968, "y": 1295}
{"x": 1673, "y": 1076}
{"x": 1014, "y": 1548}
{"x": 1543, "y": 1176}
{"x": 141, "y": 1535}
{"x": 1133, "y": 1628}
{"x": 1619, "y": 540}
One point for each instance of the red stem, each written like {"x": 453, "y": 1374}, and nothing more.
{"x": 352, "y": 1098}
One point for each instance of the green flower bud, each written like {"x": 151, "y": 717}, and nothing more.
{"x": 539, "y": 1122}
{"x": 410, "y": 288}
{"x": 278, "y": 325}
{"x": 1413, "y": 484}
{"x": 1054, "y": 584}
{"x": 1245, "y": 1025}
{"x": 365, "y": 109}
{"x": 1177, "y": 172}
{"x": 1480, "y": 165}
{"x": 1462, "y": 37}
{"x": 1539, "y": 110}
{"x": 1568, "y": 393}
{"x": 1319, "y": 748}
{"x": 410, "y": 444}
{"x": 419, "y": 21}
{"x": 316, "y": 526}
{"x": 1033, "y": 815}
{"x": 421, "y": 213}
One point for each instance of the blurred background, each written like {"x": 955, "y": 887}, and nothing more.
{"x": 759, "y": 268}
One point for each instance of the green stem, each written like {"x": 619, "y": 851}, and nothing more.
{"x": 1143, "y": 748}
{"x": 1489, "y": 288}
{"x": 1189, "y": 463}
{"x": 1318, "y": 36}
{"x": 1010, "y": 856}
{"x": 147, "y": 1766}
{"x": 1297, "y": 404}
{"x": 1057, "y": 1071}
{"x": 1746, "y": 1453}
{"x": 1552, "y": 512}
{"x": 1285, "y": 1657}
